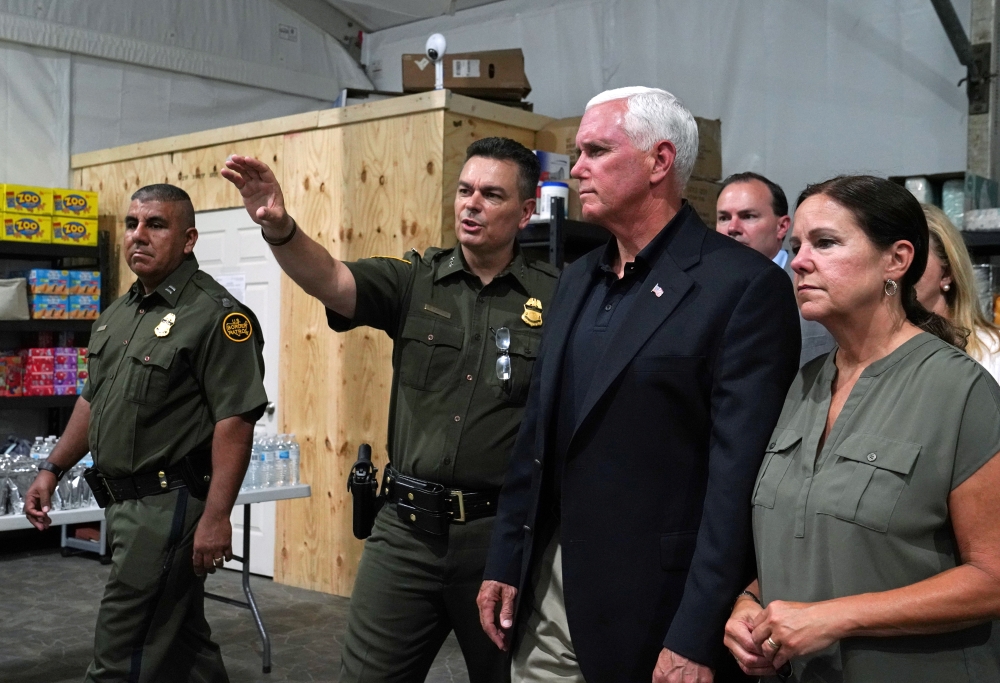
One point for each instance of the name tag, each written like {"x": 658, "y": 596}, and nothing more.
{"x": 437, "y": 311}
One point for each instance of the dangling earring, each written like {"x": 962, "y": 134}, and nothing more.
{"x": 890, "y": 287}
{"x": 945, "y": 288}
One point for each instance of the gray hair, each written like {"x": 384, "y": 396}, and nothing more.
{"x": 655, "y": 115}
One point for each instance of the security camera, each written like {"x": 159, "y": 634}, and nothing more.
{"x": 435, "y": 47}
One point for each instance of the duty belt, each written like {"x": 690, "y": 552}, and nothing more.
{"x": 193, "y": 472}
{"x": 432, "y": 507}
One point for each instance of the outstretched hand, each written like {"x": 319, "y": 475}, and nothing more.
{"x": 261, "y": 193}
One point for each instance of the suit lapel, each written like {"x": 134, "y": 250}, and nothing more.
{"x": 649, "y": 311}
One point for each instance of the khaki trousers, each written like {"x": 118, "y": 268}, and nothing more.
{"x": 545, "y": 652}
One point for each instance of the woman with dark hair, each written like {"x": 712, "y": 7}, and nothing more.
{"x": 874, "y": 513}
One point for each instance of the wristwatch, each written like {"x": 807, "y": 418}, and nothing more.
{"x": 54, "y": 469}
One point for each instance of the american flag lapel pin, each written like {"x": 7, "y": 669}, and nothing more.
{"x": 657, "y": 290}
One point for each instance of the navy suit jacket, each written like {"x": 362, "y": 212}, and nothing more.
{"x": 655, "y": 508}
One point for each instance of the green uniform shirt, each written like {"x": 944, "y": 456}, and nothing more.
{"x": 869, "y": 512}
{"x": 154, "y": 398}
{"x": 452, "y": 421}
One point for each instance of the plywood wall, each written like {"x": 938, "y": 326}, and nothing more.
{"x": 374, "y": 186}
{"x": 195, "y": 171}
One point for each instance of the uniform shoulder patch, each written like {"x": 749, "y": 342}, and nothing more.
{"x": 237, "y": 327}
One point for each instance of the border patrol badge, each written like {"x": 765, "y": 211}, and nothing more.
{"x": 162, "y": 328}
{"x": 532, "y": 315}
{"x": 237, "y": 327}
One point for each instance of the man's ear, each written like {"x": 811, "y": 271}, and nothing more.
{"x": 191, "y": 235}
{"x": 527, "y": 211}
{"x": 663, "y": 155}
{"x": 784, "y": 223}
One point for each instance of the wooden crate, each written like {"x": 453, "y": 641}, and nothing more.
{"x": 376, "y": 178}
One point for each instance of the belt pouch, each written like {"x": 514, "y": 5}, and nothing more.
{"x": 95, "y": 480}
{"x": 196, "y": 471}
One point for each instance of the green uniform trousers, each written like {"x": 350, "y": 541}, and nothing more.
{"x": 412, "y": 589}
{"x": 151, "y": 625}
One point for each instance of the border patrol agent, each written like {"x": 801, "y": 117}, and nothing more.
{"x": 466, "y": 323}
{"x": 175, "y": 387}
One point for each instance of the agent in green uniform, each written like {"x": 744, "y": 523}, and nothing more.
{"x": 466, "y": 324}
{"x": 175, "y": 387}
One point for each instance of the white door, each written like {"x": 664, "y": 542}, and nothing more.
{"x": 230, "y": 249}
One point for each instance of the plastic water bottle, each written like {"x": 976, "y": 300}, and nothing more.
{"x": 86, "y": 495}
{"x": 36, "y": 448}
{"x": 252, "y": 479}
{"x": 284, "y": 463}
{"x": 268, "y": 462}
{"x": 293, "y": 460}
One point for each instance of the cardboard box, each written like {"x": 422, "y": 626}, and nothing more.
{"x": 78, "y": 231}
{"x": 84, "y": 306}
{"x": 85, "y": 282}
{"x": 560, "y": 137}
{"x": 49, "y": 306}
{"x": 709, "y": 163}
{"x": 23, "y": 228}
{"x": 65, "y": 390}
{"x": 74, "y": 203}
{"x": 47, "y": 281}
{"x": 702, "y": 196}
{"x": 495, "y": 74}
{"x": 27, "y": 199}
{"x": 13, "y": 371}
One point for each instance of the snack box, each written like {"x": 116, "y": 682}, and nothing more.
{"x": 13, "y": 384}
{"x": 46, "y": 281}
{"x": 79, "y": 231}
{"x": 40, "y": 390}
{"x": 27, "y": 199}
{"x": 64, "y": 377}
{"x": 75, "y": 203}
{"x": 82, "y": 375}
{"x": 85, "y": 282}
{"x": 86, "y": 306}
{"x": 48, "y": 306}
{"x": 38, "y": 364}
{"x": 65, "y": 390}
{"x": 80, "y": 383}
{"x": 18, "y": 228}
{"x": 40, "y": 352}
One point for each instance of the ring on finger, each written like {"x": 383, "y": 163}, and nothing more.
{"x": 770, "y": 641}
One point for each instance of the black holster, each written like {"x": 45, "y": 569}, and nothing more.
{"x": 95, "y": 480}
{"x": 196, "y": 470}
{"x": 362, "y": 482}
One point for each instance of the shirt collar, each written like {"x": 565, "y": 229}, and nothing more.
{"x": 170, "y": 289}
{"x": 455, "y": 262}
{"x": 649, "y": 254}
{"x": 781, "y": 258}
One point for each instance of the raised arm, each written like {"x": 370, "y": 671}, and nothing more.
{"x": 302, "y": 258}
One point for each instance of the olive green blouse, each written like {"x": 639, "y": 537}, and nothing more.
{"x": 869, "y": 512}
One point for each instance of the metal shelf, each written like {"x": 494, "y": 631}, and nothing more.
{"x": 982, "y": 240}
{"x": 62, "y": 325}
{"x": 31, "y": 402}
{"x": 29, "y": 250}
{"x": 562, "y": 238}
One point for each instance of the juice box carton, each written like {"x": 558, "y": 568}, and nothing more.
{"x": 65, "y": 390}
{"x": 40, "y": 390}
{"x": 13, "y": 376}
{"x": 79, "y": 231}
{"x": 86, "y": 306}
{"x": 48, "y": 306}
{"x": 20, "y": 228}
{"x": 85, "y": 282}
{"x": 64, "y": 377}
{"x": 27, "y": 199}
{"x": 75, "y": 203}
{"x": 66, "y": 358}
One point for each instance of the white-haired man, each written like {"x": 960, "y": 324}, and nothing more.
{"x": 623, "y": 531}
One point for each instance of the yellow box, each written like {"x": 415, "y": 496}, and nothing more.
{"x": 75, "y": 203}
{"x": 27, "y": 199}
{"x": 79, "y": 231}
{"x": 22, "y": 228}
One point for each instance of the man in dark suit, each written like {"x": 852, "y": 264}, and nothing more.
{"x": 753, "y": 211}
{"x": 623, "y": 531}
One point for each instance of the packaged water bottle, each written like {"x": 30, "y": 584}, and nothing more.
{"x": 293, "y": 465}
{"x": 270, "y": 462}
{"x": 252, "y": 479}
{"x": 36, "y": 448}
{"x": 283, "y": 472}
{"x": 86, "y": 495}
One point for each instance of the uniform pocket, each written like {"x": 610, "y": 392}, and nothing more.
{"x": 865, "y": 482}
{"x": 149, "y": 373}
{"x": 777, "y": 458}
{"x": 94, "y": 352}
{"x": 431, "y": 353}
{"x": 523, "y": 353}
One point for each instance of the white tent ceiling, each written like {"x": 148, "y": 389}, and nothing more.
{"x": 375, "y": 15}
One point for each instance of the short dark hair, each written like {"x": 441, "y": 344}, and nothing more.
{"x": 162, "y": 192}
{"x": 887, "y": 213}
{"x": 505, "y": 149}
{"x": 779, "y": 203}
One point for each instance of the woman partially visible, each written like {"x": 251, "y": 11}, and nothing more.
{"x": 874, "y": 513}
{"x": 948, "y": 288}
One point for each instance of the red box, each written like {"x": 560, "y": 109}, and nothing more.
{"x": 39, "y": 352}
{"x": 47, "y": 390}
{"x": 14, "y": 376}
{"x": 82, "y": 375}
{"x": 67, "y": 390}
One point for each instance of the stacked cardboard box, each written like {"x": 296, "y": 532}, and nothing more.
{"x": 494, "y": 75}
{"x": 60, "y": 371}
{"x": 63, "y": 293}
{"x": 42, "y": 215}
